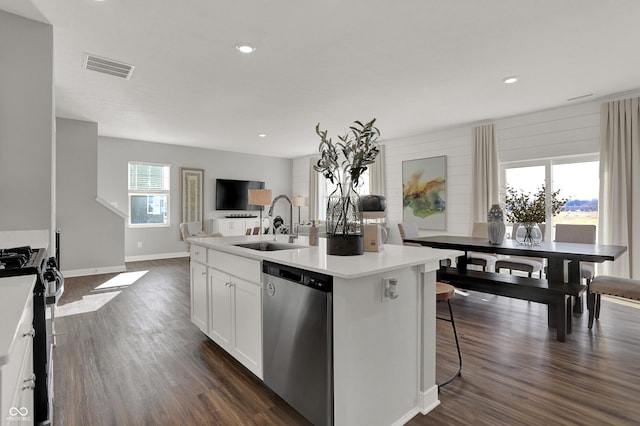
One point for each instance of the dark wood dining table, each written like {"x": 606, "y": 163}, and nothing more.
{"x": 555, "y": 291}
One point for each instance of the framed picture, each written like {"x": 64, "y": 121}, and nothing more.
{"x": 192, "y": 192}
{"x": 424, "y": 192}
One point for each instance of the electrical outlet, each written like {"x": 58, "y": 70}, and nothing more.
{"x": 389, "y": 289}
{"x": 139, "y": 244}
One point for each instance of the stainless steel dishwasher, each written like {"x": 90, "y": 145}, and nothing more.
{"x": 297, "y": 339}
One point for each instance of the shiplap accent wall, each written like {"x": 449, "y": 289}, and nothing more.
{"x": 557, "y": 132}
{"x": 572, "y": 130}
{"x": 455, "y": 144}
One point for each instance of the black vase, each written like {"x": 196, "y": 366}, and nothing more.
{"x": 345, "y": 245}
{"x": 344, "y": 225}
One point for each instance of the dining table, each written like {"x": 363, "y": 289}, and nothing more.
{"x": 562, "y": 281}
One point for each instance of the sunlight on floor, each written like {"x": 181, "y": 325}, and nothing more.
{"x": 621, "y": 301}
{"x": 100, "y": 296}
{"x": 122, "y": 280}
{"x": 88, "y": 303}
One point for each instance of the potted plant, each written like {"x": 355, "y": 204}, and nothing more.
{"x": 528, "y": 210}
{"x": 342, "y": 163}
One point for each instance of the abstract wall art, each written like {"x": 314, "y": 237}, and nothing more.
{"x": 424, "y": 192}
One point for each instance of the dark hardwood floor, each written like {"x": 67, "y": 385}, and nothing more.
{"x": 130, "y": 356}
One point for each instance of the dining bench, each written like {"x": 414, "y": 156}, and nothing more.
{"x": 558, "y": 298}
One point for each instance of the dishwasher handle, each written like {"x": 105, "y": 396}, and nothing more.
{"x": 290, "y": 275}
{"x": 299, "y": 276}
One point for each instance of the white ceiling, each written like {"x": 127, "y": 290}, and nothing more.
{"x": 415, "y": 65}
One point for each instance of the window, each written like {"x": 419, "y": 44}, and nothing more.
{"x": 577, "y": 178}
{"x": 325, "y": 188}
{"x": 148, "y": 194}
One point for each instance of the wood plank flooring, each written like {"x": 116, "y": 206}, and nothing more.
{"x": 130, "y": 356}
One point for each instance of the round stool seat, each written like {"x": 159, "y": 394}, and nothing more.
{"x": 444, "y": 291}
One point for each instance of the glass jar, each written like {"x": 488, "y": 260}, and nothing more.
{"x": 529, "y": 234}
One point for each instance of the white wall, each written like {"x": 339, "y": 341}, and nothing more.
{"x": 92, "y": 237}
{"x": 566, "y": 131}
{"x": 300, "y": 184}
{"x": 114, "y": 155}
{"x": 26, "y": 123}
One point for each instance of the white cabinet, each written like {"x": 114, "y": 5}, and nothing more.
{"x": 220, "y": 303}
{"x": 199, "y": 298}
{"x": 234, "y": 226}
{"x": 226, "y": 303}
{"x": 199, "y": 308}
{"x": 247, "y": 344}
{"x": 235, "y": 308}
{"x": 17, "y": 380}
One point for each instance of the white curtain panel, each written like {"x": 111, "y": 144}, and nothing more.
{"x": 313, "y": 189}
{"x": 377, "y": 176}
{"x": 618, "y": 219}
{"x": 485, "y": 172}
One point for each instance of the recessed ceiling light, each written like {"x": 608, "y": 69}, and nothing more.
{"x": 510, "y": 80}
{"x": 262, "y": 135}
{"x": 245, "y": 48}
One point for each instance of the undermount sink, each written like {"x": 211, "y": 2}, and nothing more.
{"x": 268, "y": 246}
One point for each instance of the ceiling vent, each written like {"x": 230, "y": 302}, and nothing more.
{"x": 107, "y": 66}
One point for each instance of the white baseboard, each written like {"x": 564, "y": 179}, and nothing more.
{"x": 156, "y": 256}
{"x": 93, "y": 271}
{"x": 428, "y": 400}
{"x": 405, "y": 419}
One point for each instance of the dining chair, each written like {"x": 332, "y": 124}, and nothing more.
{"x": 581, "y": 233}
{"x": 521, "y": 263}
{"x": 408, "y": 230}
{"x": 186, "y": 233}
{"x": 485, "y": 260}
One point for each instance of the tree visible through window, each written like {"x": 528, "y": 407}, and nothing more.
{"x": 149, "y": 194}
{"x": 577, "y": 179}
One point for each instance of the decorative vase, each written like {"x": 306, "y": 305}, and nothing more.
{"x": 529, "y": 234}
{"x": 495, "y": 225}
{"x": 344, "y": 224}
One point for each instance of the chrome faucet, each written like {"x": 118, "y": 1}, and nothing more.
{"x": 292, "y": 236}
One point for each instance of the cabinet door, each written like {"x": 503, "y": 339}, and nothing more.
{"x": 220, "y": 305}
{"x": 23, "y": 396}
{"x": 247, "y": 346}
{"x": 199, "y": 301}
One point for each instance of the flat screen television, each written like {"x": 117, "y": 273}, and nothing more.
{"x": 234, "y": 194}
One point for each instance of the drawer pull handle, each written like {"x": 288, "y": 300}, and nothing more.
{"x": 229, "y": 284}
{"x": 31, "y": 386}
{"x": 30, "y": 333}
{"x": 203, "y": 273}
{"x": 30, "y": 379}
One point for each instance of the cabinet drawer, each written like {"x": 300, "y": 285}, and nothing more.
{"x": 241, "y": 267}
{"x": 20, "y": 365}
{"x": 199, "y": 254}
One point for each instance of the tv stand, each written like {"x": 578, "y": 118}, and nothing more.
{"x": 241, "y": 216}
{"x": 236, "y": 225}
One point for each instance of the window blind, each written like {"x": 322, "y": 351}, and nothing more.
{"x": 148, "y": 177}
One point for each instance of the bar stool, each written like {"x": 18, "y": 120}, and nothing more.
{"x": 446, "y": 292}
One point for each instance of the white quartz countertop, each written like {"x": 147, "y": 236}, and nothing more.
{"x": 16, "y": 292}
{"x": 314, "y": 258}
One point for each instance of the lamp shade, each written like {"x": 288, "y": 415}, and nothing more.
{"x": 299, "y": 201}
{"x": 260, "y": 197}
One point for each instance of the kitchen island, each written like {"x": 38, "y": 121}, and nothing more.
{"x": 383, "y": 347}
